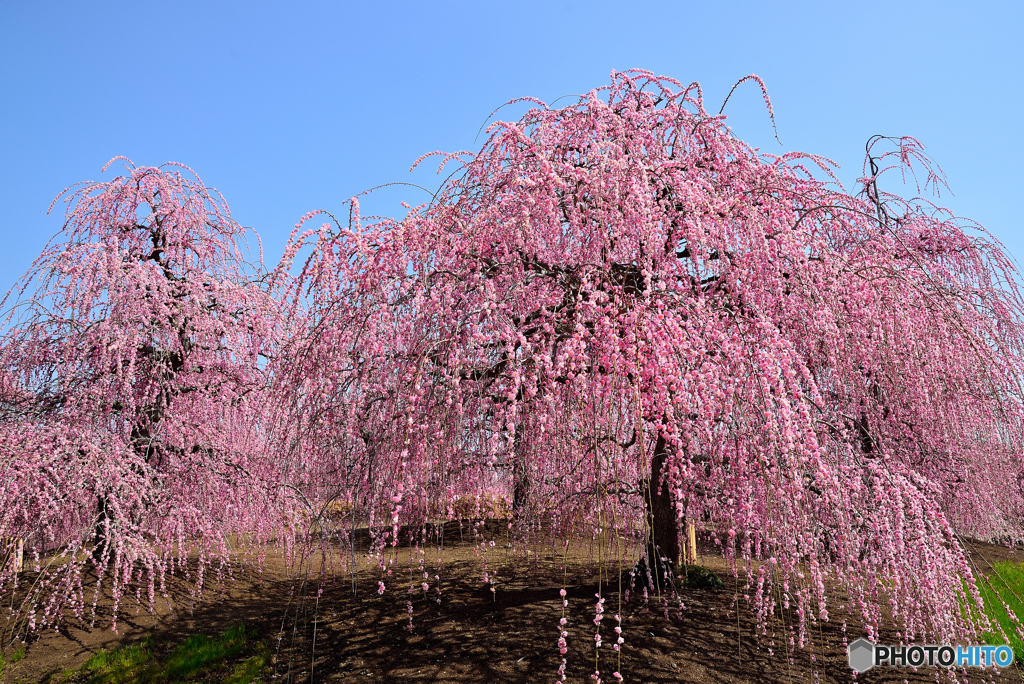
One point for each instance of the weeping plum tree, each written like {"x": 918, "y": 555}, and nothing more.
{"x": 646, "y": 320}
{"x": 133, "y": 384}
{"x": 615, "y": 313}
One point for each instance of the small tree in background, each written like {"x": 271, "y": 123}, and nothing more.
{"x": 133, "y": 363}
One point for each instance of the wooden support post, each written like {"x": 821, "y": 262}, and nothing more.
{"x": 12, "y": 551}
{"x": 691, "y": 545}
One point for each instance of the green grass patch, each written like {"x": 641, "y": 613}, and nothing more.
{"x": 192, "y": 659}
{"x": 698, "y": 577}
{"x": 250, "y": 670}
{"x": 200, "y": 651}
{"x": 1006, "y": 584}
{"x": 126, "y": 664}
{"x": 10, "y": 660}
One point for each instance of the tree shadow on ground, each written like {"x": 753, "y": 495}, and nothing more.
{"x": 322, "y": 632}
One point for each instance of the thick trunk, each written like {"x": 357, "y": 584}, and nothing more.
{"x": 664, "y": 526}
{"x": 662, "y": 551}
{"x": 520, "y": 477}
{"x": 102, "y": 522}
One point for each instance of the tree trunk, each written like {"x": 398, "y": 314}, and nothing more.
{"x": 664, "y": 526}
{"x": 662, "y": 550}
{"x": 102, "y": 521}
{"x": 520, "y": 477}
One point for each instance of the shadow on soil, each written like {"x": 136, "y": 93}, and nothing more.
{"x": 325, "y": 633}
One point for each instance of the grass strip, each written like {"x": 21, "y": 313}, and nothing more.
{"x": 191, "y": 659}
{"x": 1005, "y": 585}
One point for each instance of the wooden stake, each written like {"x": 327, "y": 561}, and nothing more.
{"x": 12, "y": 551}
{"x": 691, "y": 547}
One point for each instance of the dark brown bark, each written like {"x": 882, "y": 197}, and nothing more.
{"x": 661, "y": 512}
{"x": 520, "y": 477}
{"x": 100, "y": 534}
{"x": 662, "y": 551}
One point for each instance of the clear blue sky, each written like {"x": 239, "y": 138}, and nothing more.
{"x": 288, "y": 107}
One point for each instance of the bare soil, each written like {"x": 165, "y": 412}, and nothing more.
{"x": 327, "y": 633}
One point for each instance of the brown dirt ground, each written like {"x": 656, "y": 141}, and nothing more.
{"x": 474, "y": 635}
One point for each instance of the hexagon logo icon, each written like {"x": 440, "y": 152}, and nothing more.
{"x": 862, "y": 655}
